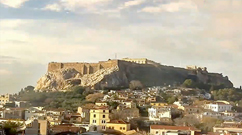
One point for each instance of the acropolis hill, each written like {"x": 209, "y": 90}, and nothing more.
{"x": 119, "y": 73}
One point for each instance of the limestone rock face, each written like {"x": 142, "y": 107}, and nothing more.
{"x": 120, "y": 74}
{"x": 63, "y": 79}
{"x": 58, "y": 80}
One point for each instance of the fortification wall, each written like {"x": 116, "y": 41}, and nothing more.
{"x": 83, "y": 68}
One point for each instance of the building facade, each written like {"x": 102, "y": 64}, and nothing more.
{"x": 5, "y": 99}
{"x": 218, "y": 106}
{"x": 99, "y": 118}
{"x": 172, "y": 130}
{"x": 158, "y": 113}
{"x": 118, "y": 125}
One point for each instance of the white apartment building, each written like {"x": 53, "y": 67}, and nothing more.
{"x": 218, "y": 106}
{"x": 157, "y": 113}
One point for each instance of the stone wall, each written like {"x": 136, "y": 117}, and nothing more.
{"x": 83, "y": 68}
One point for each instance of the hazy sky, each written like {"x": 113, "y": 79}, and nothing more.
{"x": 172, "y": 32}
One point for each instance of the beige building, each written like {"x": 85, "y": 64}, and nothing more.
{"x": 172, "y": 130}
{"x": 44, "y": 126}
{"x": 192, "y": 110}
{"x": 37, "y": 127}
{"x": 229, "y": 128}
{"x": 137, "y": 60}
{"x": 101, "y": 103}
{"x": 151, "y": 99}
{"x": 5, "y": 99}
{"x": 127, "y": 104}
{"x": 118, "y": 125}
{"x": 140, "y": 61}
{"x": 99, "y": 118}
{"x": 158, "y": 104}
{"x": 85, "y": 112}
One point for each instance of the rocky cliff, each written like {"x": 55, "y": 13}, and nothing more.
{"x": 119, "y": 73}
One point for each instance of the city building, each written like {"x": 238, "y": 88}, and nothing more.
{"x": 66, "y": 129}
{"x": 158, "y": 113}
{"x": 191, "y": 110}
{"x": 127, "y": 104}
{"x": 85, "y": 112}
{"x": 101, "y": 103}
{"x": 138, "y": 60}
{"x": 118, "y": 125}
{"x": 14, "y": 113}
{"x": 32, "y": 128}
{"x": 99, "y": 117}
{"x": 172, "y": 130}
{"x": 44, "y": 127}
{"x": 229, "y": 128}
{"x": 20, "y": 104}
{"x": 34, "y": 114}
{"x": 218, "y": 106}
{"x": 158, "y": 104}
{"x": 5, "y": 99}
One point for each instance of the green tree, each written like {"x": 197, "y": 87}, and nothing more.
{"x": 189, "y": 83}
{"x": 171, "y": 100}
{"x": 113, "y": 105}
{"x": 11, "y": 128}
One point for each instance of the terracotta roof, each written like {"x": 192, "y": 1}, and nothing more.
{"x": 65, "y": 128}
{"x": 118, "y": 122}
{"x": 100, "y": 108}
{"x": 172, "y": 127}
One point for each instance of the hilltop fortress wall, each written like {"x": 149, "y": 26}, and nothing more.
{"x": 83, "y": 68}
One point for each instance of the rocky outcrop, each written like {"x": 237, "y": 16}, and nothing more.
{"x": 120, "y": 74}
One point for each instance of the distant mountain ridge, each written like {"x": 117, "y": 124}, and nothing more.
{"x": 119, "y": 73}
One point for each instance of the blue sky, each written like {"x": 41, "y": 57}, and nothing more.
{"x": 172, "y": 32}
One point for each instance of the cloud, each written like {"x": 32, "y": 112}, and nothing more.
{"x": 173, "y": 6}
{"x": 53, "y": 7}
{"x": 131, "y": 3}
{"x": 5, "y": 72}
{"x": 74, "y": 5}
{"x": 13, "y": 3}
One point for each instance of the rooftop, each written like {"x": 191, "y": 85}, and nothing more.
{"x": 172, "y": 127}
{"x": 118, "y": 122}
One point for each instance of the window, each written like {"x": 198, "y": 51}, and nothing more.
{"x": 103, "y": 116}
{"x": 103, "y": 127}
{"x": 156, "y": 132}
{"x": 94, "y": 115}
{"x": 123, "y": 128}
{"x": 103, "y": 121}
{"x": 112, "y": 127}
{"x": 103, "y": 110}
{"x": 120, "y": 128}
{"x": 93, "y": 121}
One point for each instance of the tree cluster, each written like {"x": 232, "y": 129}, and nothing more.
{"x": 69, "y": 100}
